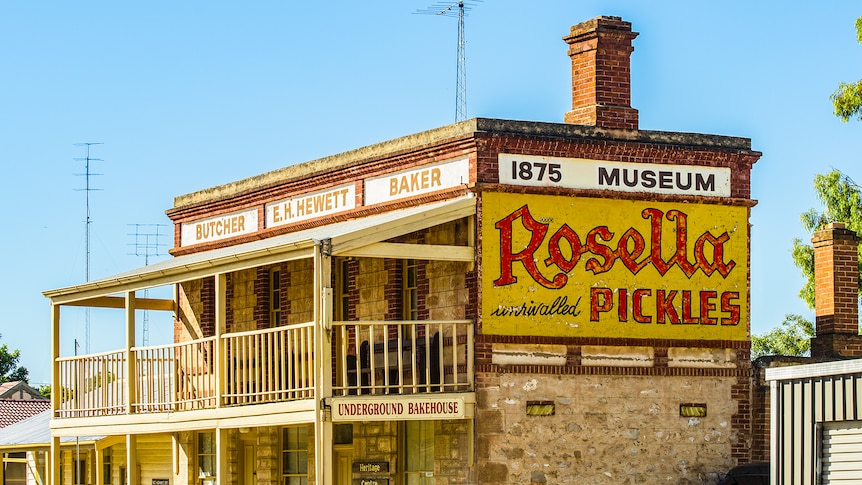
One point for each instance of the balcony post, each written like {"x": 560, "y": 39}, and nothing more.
{"x": 131, "y": 365}
{"x": 322, "y": 360}
{"x": 56, "y": 395}
{"x": 220, "y": 329}
{"x": 221, "y": 455}
{"x": 55, "y": 461}
{"x": 132, "y": 473}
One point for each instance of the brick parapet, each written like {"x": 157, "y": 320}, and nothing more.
{"x": 483, "y": 148}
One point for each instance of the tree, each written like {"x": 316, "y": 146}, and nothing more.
{"x": 847, "y": 99}
{"x": 9, "y": 368}
{"x": 792, "y": 338}
{"x": 842, "y": 202}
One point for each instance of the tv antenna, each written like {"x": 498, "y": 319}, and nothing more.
{"x": 459, "y": 9}
{"x": 87, "y": 189}
{"x": 147, "y": 243}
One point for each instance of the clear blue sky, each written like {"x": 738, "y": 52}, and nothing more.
{"x": 187, "y": 95}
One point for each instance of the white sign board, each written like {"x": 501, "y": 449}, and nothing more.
{"x": 402, "y": 408}
{"x": 218, "y": 227}
{"x": 310, "y": 205}
{"x": 580, "y": 173}
{"x": 417, "y": 181}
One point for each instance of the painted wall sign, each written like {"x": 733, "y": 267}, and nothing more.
{"x": 219, "y": 227}
{"x": 569, "y": 266}
{"x": 417, "y": 181}
{"x": 411, "y": 408}
{"x": 310, "y": 205}
{"x": 580, "y": 173}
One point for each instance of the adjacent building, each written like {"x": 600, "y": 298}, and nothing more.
{"x": 492, "y": 301}
{"x": 815, "y": 409}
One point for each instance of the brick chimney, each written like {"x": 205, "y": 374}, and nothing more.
{"x": 601, "y": 49}
{"x": 836, "y": 275}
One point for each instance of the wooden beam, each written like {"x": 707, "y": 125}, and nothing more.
{"x": 55, "y": 366}
{"x": 405, "y": 225}
{"x": 179, "y": 274}
{"x": 287, "y": 412}
{"x": 120, "y": 302}
{"x": 431, "y": 252}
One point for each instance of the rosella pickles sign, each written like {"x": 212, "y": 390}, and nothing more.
{"x": 569, "y": 266}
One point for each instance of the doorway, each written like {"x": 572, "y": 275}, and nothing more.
{"x": 342, "y": 461}
{"x": 249, "y": 464}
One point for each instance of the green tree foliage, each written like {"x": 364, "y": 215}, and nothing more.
{"x": 842, "y": 202}
{"x": 792, "y": 338}
{"x": 9, "y": 368}
{"x": 847, "y": 99}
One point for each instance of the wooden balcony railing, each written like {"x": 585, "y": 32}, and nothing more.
{"x": 92, "y": 385}
{"x": 175, "y": 377}
{"x": 402, "y": 357}
{"x": 272, "y": 365}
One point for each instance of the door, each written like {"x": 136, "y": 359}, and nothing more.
{"x": 342, "y": 458}
{"x": 249, "y": 465}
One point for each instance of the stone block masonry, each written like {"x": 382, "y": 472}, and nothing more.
{"x": 611, "y": 429}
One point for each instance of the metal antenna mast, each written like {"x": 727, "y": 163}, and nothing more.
{"x": 87, "y": 189}
{"x": 147, "y": 243}
{"x": 449, "y": 10}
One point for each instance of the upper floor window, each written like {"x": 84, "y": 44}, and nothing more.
{"x": 409, "y": 289}
{"x": 342, "y": 293}
{"x": 275, "y": 297}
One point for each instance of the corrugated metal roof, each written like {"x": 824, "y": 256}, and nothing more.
{"x": 344, "y": 236}
{"x": 14, "y": 410}
{"x": 35, "y": 431}
{"x": 838, "y": 367}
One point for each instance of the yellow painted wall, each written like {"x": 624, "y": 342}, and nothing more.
{"x": 588, "y": 267}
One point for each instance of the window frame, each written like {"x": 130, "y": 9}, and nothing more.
{"x": 274, "y": 287}
{"x": 201, "y": 478}
{"x": 107, "y": 460}
{"x": 410, "y": 290}
{"x": 289, "y": 448}
{"x": 421, "y": 475}
{"x": 342, "y": 291}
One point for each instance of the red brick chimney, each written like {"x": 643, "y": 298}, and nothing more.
{"x": 601, "y": 76}
{"x": 836, "y": 275}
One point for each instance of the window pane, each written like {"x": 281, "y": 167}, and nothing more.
{"x": 302, "y": 465}
{"x": 206, "y": 443}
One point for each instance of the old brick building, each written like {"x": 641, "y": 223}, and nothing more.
{"x": 492, "y": 301}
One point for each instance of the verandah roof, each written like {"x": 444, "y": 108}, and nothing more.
{"x": 345, "y": 237}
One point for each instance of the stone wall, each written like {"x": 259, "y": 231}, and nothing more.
{"x": 604, "y": 429}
